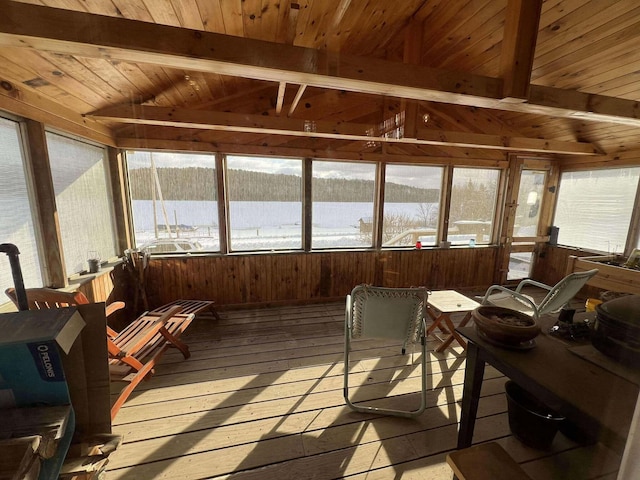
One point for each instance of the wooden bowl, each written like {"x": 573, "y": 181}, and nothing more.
{"x": 504, "y": 325}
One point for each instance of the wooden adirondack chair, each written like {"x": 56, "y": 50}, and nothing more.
{"x": 134, "y": 351}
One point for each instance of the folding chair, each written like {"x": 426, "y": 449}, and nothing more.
{"x": 386, "y": 313}
{"x": 557, "y": 297}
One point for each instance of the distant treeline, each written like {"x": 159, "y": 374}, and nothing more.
{"x": 197, "y": 183}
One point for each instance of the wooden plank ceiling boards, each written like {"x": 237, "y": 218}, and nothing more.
{"x": 553, "y": 77}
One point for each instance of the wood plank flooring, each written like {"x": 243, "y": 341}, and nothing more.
{"x": 261, "y": 398}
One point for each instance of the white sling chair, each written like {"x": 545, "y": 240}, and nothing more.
{"x": 388, "y": 313}
{"x": 557, "y": 297}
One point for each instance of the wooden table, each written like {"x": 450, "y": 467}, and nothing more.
{"x": 598, "y": 401}
{"x": 442, "y": 303}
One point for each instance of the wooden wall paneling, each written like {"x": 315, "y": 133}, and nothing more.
{"x": 189, "y": 271}
{"x": 255, "y": 280}
{"x": 177, "y": 281}
{"x": 551, "y": 264}
{"x": 325, "y": 275}
{"x": 298, "y": 280}
{"x": 219, "y": 277}
{"x": 212, "y": 277}
{"x": 281, "y": 278}
{"x": 203, "y": 282}
{"x": 239, "y": 290}
{"x": 308, "y": 277}
{"x": 312, "y": 274}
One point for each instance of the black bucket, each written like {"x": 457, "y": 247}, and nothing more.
{"x": 532, "y": 422}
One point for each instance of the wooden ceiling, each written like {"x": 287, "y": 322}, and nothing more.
{"x": 300, "y": 76}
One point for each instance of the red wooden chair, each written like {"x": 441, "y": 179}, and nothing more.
{"x": 134, "y": 351}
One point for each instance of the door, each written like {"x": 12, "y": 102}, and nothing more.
{"x": 527, "y": 216}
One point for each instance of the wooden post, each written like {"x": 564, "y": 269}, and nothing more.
{"x": 45, "y": 199}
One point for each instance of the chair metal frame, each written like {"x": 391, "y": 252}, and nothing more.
{"x": 557, "y": 297}
{"x": 381, "y": 321}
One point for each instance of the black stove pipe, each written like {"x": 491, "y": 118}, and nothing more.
{"x": 12, "y": 252}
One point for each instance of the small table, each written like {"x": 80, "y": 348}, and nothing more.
{"x": 446, "y": 302}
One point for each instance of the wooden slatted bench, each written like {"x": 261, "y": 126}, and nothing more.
{"x": 487, "y": 461}
{"x": 189, "y": 307}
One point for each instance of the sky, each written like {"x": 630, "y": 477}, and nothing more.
{"x": 420, "y": 176}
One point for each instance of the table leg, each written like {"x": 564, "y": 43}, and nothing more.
{"x": 437, "y": 322}
{"x": 473, "y": 375}
{"x": 453, "y": 335}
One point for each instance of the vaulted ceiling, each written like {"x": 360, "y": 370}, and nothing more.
{"x": 448, "y": 78}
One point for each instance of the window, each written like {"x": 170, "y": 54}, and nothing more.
{"x": 594, "y": 208}
{"x": 526, "y": 222}
{"x": 529, "y": 198}
{"x": 343, "y": 201}
{"x": 265, "y": 203}
{"x": 16, "y": 221}
{"x": 83, "y": 201}
{"x": 473, "y": 205}
{"x": 174, "y": 201}
{"x": 411, "y": 205}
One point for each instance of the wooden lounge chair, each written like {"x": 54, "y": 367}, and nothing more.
{"x": 134, "y": 351}
{"x": 190, "y": 306}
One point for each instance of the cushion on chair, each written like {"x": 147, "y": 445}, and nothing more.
{"x": 378, "y": 312}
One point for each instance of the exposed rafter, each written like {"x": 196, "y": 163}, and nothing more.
{"x": 223, "y": 121}
{"x": 281, "y": 90}
{"x": 518, "y": 46}
{"x": 297, "y": 99}
{"x": 56, "y": 30}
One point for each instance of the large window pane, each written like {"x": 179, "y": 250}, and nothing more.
{"x": 594, "y": 208}
{"x": 174, "y": 201}
{"x": 16, "y": 223}
{"x": 265, "y": 203}
{"x": 529, "y": 199}
{"x": 83, "y": 200}
{"x": 473, "y": 205}
{"x": 411, "y": 204}
{"x": 342, "y": 212}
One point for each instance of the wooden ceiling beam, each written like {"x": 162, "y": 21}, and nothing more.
{"x": 414, "y": 34}
{"x": 224, "y": 121}
{"x": 117, "y": 39}
{"x": 333, "y": 154}
{"x": 519, "y": 46}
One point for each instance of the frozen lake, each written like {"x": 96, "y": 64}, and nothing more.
{"x": 268, "y": 225}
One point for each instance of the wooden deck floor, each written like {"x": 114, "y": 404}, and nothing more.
{"x": 261, "y": 398}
